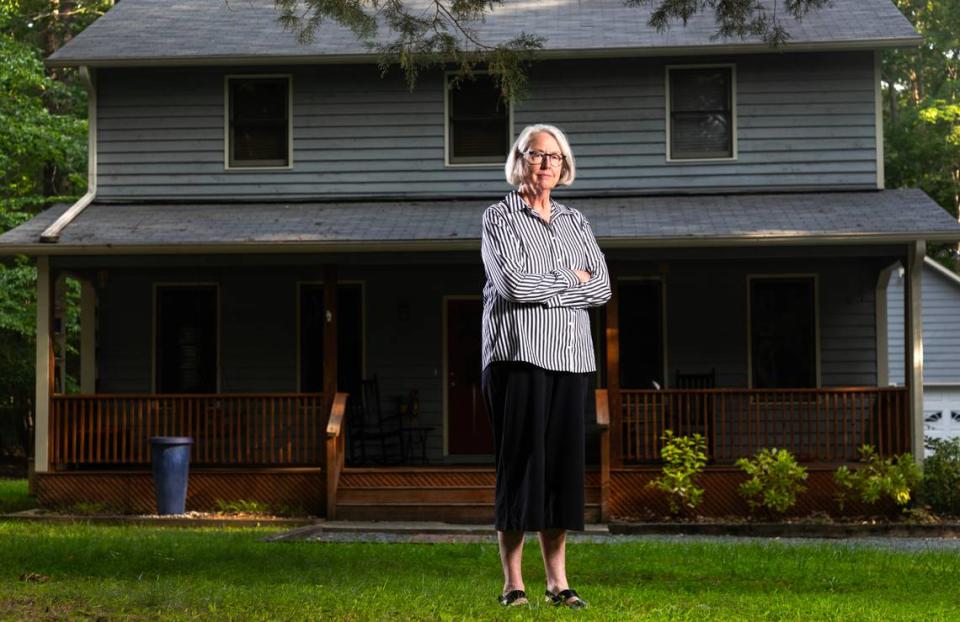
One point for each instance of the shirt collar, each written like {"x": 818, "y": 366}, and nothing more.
{"x": 515, "y": 204}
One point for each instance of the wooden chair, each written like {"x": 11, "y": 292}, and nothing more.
{"x": 695, "y": 381}
{"x": 700, "y": 381}
{"x": 376, "y": 437}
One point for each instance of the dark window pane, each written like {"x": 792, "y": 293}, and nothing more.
{"x": 259, "y": 125}
{"x": 700, "y": 113}
{"x": 782, "y": 333}
{"x": 641, "y": 334}
{"x": 479, "y": 122}
{"x": 186, "y": 340}
{"x": 349, "y": 339}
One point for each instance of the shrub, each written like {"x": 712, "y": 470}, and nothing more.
{"x": 878, "y": 477}
{"x": 775, "y": 479}
{"x": 684, "y": 458}
{"x": 242, "y": 506}
{"x": 940, "y": 488}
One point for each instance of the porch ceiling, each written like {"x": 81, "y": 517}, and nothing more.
{"x": 640, "y": 221}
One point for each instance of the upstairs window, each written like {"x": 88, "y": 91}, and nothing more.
{"x": 478, "y": 121}
{"x": 258, "y": 122}
{"x": 701, "y": 115}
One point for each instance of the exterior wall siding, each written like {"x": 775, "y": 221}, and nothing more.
{"x": 706, "y": 318}
{"x": 941, "y": 328}
{"x": 804, "y": 121}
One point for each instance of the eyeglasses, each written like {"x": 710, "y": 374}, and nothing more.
{"x": 536, "y": 157}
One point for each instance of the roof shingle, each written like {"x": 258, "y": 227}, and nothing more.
{"x": 216, "y": 30}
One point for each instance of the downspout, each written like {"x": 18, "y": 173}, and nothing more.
{"x": 52, "y": 233}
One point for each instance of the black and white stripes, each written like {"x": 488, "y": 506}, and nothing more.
{"x": 534, "y": 306}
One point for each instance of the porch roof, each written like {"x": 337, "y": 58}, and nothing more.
{"x": 142, "y": 32}
{"x": 639, "y": 221}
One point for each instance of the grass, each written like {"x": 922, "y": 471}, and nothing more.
{"x": 14, "y": 497}
{"x": 84, "y": 572}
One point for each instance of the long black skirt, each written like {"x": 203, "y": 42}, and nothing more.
{"x": 538, "y": 426}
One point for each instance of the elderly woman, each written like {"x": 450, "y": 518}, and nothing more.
{"x": 544, "y": 269}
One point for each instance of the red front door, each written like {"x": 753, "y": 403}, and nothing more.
{"x": 468, "y": 425}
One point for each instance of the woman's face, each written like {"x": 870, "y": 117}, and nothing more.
{"x": 542, "y": 176}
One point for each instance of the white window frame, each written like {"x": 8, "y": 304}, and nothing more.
{"x": 153, "y": 329}
{"x": 816, "y": 321}
{"x": 446, "y": 129}
{"x": 733, "y": 112}
{"x": 226, "y": 121}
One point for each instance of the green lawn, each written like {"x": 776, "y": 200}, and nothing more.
{"x": 14, "y": 497}
{"x": 83, "y": 572}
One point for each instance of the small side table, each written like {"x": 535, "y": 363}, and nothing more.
{"x": 416, "y": 435}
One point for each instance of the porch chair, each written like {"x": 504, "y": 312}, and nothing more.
{"x": 376, "y": 437}
{"x": 705, "y": 426}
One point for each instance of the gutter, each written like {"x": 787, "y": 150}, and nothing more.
{"x": 51, "y": 234}
{"x": 582, "y": 53}
{"x": 363, "y": 246}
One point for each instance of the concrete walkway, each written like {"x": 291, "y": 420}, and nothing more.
{"x": 435, "y": 532}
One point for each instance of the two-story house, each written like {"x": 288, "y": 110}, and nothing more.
{"x": 272, "y": 226}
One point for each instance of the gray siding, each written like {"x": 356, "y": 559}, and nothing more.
{"x": 804, "y": 121}
{"x": 405, "y": 350}
{"x": 707, "y": 317}
{"x": 941, "y": 328}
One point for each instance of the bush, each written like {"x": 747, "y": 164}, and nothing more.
{"x": 684, "y": 458}
{"x": 775, "y": 479}
{"x": 940, "y": 488}
{"x": 878, "y": 477}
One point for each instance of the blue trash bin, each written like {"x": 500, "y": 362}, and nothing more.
{"x": 171, "y": 462}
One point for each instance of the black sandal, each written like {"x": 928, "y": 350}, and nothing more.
{"x": 567, "y": 598}
{"x": 514, "y": 598}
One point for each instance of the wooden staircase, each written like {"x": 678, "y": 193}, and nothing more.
{"x": 450, "y": 494}
{"x": 457, "y": 494}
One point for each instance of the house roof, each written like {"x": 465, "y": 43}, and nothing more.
{"x": 807, "y": 218}
{"x": 244, "y": 31}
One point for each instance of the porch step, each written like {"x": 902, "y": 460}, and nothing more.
{"x": 453, "y": 494}
{"x": 450, "y": 512}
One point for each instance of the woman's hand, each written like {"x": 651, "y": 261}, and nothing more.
{"x": 583, "y": 275}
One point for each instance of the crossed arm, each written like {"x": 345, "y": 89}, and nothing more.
{"x": 501, "y": 251}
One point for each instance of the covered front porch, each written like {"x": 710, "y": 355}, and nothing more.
{"x": 669, "y": 357}
{"x": 750, "y": 319}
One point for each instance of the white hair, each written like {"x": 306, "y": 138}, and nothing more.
{"x": 515, "y": 162}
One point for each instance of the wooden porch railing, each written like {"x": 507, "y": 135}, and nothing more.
{"x": 335, "y": 451}
{"x": 227, "y": 429}
{"x": 816, "y": 425}
{"x": 603, "y": 424}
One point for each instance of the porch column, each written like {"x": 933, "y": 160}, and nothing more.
{"x": 329, "y": 336}
{"x": 88, "y": 356}
{"x": 613, "y": 368}
{"x": 913, "y": 344}
{"x": 44, "y": 366}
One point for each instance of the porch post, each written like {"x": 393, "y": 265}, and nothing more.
{"x": 88, "y": 309}
{"x": 613, "y": 367}
{"x": 913, "y": 344}
{"x": 44, "y": 366}
{"x": 329, "y": 336}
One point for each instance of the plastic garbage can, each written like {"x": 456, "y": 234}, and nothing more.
{"x": 171, "y": 462}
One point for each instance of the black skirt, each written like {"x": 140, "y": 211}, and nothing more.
{"x": 538, "y": 426}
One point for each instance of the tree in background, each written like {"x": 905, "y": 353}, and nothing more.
{"x": 43, "y": 160}
{"x": 922, "y": 108}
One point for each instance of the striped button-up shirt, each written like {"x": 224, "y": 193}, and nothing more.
{"x": 534, "y": 306}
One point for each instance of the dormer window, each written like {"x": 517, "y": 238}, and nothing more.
{"x": 478, "y": 124}
{"x": 701, "y": 113}
{"x": 258, "y": 122}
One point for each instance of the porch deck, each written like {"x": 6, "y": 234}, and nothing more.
{"x": 282, "y": 450}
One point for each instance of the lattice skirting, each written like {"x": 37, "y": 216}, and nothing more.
{"x": 132, "y": 491}
{"x": 630, "y": 497}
